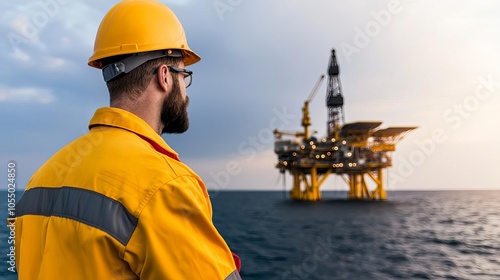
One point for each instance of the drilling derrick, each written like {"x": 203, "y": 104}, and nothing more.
{"x": 358, "y": 152}
{"x": 334, "y": 99}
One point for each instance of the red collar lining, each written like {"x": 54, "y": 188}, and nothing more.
{"x": 160, "y": 148}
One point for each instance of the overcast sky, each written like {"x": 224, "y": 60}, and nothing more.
{"x": 431, "y": 64}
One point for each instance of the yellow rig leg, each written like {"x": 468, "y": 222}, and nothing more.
{"x": 379, "y": 192}
{"x": 296, "y": 192}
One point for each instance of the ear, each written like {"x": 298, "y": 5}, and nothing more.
{"x": 163, "y": 77}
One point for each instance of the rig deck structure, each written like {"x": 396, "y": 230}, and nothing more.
{"x": 357, "y": 152}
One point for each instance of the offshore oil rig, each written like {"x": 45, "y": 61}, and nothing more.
{"x": 356, "y": 151}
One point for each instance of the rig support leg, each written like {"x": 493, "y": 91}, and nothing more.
{"x": 312, "y": 192}
{"x": 296, "y": 192}
{"x": 358, "y": 188}
{"x": 311, "y": 183}
{"x": 379, "y": 192}
{"x": 355, "y": 186}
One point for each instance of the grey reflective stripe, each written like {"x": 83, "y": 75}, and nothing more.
{"x": 233, "y": 276}
{"x": 85, "y": 206}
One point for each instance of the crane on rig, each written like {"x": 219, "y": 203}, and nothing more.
{"x": 306, "y": 120}
{"x": 356, "y": 151}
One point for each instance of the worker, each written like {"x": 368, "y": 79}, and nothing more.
{"x": 117, "y": 203}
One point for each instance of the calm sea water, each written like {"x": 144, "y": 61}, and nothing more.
{"x": 413, "y": 235}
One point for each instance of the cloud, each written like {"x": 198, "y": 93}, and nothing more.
{"x": 30, "y": 94}
{"x": 264, "y": 56}
{"x": 20, "y": 56}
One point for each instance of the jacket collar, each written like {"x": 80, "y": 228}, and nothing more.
{"x": 115, "y": 117}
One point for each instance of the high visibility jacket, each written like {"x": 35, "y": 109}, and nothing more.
{"x": 117, "y": 203}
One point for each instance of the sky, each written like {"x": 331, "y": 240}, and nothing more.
{"x": 431, "y": 64}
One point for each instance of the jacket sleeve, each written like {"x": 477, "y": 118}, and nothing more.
{"x": 175, "y": 237}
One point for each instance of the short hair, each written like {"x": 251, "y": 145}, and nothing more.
{"x": 133, "y": 83}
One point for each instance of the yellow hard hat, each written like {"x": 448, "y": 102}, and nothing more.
{"x": 139, "y": 26}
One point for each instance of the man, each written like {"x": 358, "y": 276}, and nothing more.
{"x": 117, "y": 203}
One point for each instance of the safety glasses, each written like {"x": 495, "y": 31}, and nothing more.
{"x": 188, "y": 75}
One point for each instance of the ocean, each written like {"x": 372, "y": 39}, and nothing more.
{"x": 412, "y": 235}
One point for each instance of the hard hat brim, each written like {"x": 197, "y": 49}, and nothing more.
{"x": 139, "y": 26}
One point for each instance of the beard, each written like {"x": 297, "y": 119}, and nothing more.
{"x": 174, "y": 114}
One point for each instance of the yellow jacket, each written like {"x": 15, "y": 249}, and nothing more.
{"x": 117, "y": 203}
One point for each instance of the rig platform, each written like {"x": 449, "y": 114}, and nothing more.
{"x": 357, "y": 152}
